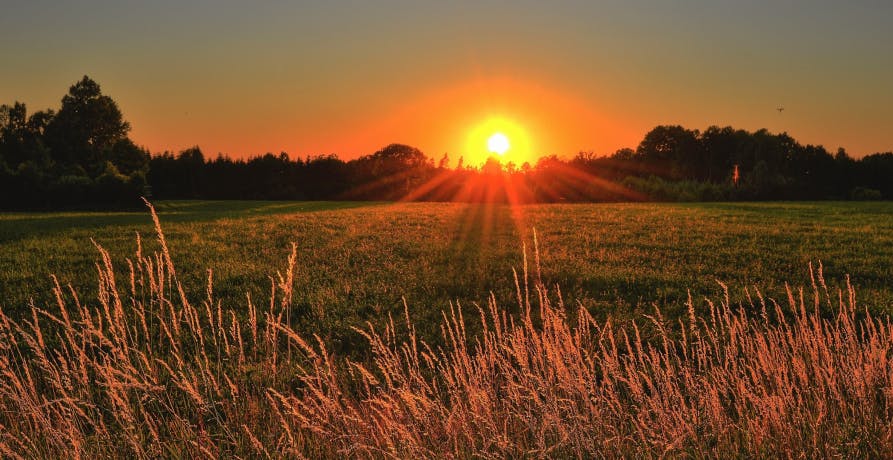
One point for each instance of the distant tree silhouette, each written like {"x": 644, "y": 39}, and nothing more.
{"x": 875, "y": 172}
{"x": 770, "y": 166}
{"x": 21, "y": 137}
{"x": 625, "y": 154}
{"x": 81, "y": 156}
{"x": 492, "y": 166}
{"x": 75, "y": 157}
{"x": 390, "y": 173}
{"x": 721, "y": 153}
{"x": 674, "y": 151}
{"x": 397, "y": 157}
{"x": 86, "y": 128}
{"x": 128, "y": 158}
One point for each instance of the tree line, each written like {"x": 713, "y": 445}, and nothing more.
{"x": 82, "y": 156}
{"x": 77, "y": 156}
{"x": 670, "y": 164}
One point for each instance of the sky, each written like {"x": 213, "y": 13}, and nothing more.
{"x": 349, "y": 77}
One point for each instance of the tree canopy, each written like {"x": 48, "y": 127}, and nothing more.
{"x": 80, "y": 154}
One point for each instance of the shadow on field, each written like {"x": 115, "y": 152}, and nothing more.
{"x": 482, "y": 234}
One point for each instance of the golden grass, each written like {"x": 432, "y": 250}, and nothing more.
{"x": 146, "y": 371}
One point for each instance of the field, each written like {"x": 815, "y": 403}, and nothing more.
{"x": 357, "y": 261}
{"x": 212, "y": 373}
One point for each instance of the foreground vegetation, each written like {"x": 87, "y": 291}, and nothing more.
{"x": 149, "y": 370}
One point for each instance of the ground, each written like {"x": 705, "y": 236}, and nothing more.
{"x": 357, "y": 261}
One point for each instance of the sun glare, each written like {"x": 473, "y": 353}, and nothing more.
{"x": 498, "y": 136}
{"x": 498, "y": 143}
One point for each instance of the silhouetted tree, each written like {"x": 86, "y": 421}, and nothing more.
{"x": 875, "y": 172}
{"x": 390, "y": 173}
{"x": 81, "y": 155}
{"x": 86, "y": 128}
{"x": 674, "y": 152}
{"x": 21, "y": 137}
{"x": 128, "y": 158}
{"x": 720, "y": 153}
{"x": 625, "y": 154}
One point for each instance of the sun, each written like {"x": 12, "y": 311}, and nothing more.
{"x": 498, "y": 143}
{"x": 500, "y": 136}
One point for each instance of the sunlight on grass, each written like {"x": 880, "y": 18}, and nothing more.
{"x": 147, "y": 370}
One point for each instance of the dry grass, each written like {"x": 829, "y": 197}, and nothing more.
{"x": 146, "y": 371}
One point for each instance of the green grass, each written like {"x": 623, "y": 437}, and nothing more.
{"x": 357, "y": 260}
{"x": 154, "y": 373}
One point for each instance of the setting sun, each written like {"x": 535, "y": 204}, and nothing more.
{"x": 500, "y": 136}
{"x": 498, "y": 143}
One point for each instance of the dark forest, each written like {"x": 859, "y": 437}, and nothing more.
{"x": 81, "y": 157}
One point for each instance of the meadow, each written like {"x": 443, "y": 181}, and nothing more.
{"x": 358, "y": 261}
{"x": 430, "y": 330}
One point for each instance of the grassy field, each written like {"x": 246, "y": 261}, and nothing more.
{"x": 616, "y": 364}
{"x": 356, "y": 261}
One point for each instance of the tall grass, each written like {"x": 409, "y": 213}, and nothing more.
{"x": 145, "y": 370}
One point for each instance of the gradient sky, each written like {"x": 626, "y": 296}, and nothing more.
{"x": 348, "y": 77}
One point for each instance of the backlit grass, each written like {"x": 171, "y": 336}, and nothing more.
{"x": 149, "y": 368}
{"x": 359, "y": 260}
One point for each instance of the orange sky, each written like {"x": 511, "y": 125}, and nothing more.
{"x": 350, "y": 77}
{"x": 444, "y": 120}
{"x": 437, "y": 118}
